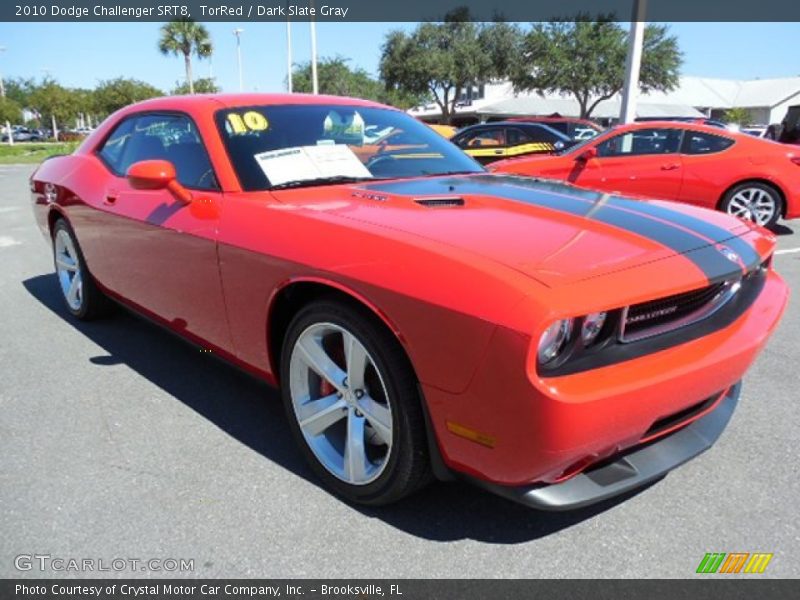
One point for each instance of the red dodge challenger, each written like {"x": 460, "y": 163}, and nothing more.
{"x": 422, "y": 317}
{"x": 748, "y": 177}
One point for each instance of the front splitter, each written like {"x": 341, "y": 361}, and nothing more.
{"x": 630, "y": 470}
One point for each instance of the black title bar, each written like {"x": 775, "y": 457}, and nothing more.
{"x": 391, "y": 11}
{"x": 700, "y": 588}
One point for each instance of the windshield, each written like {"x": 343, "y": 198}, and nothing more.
{"x": 291, "y": 145}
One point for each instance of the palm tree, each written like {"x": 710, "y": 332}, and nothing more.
{"x": 184, "y": 36}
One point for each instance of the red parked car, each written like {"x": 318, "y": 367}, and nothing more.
{"x": 744, "y": 176}
{"x": 421, "y": 316}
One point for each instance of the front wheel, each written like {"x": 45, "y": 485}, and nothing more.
{"x": 352, "y": 402}
{"x": 753, "y": 201}
{"x": 82, "y": 297}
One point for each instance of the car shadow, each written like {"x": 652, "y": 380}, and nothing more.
{"x": 251, "y": 412}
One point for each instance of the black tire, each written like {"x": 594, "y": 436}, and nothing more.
{"x": 407, "y": 467}
{"x": 729, "y": 201}
{"x": 93, "y": 303}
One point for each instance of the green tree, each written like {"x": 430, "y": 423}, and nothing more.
{"x": 206, "y": 85}
{"x": 85, "y": 104}
{"x": 441, "y": 60}
{"x": 740, "y": 116}
{"x": 55, "y": 104}
{"x": 19, "y": 89}
{"x": 586, "y": 59}
{"x": 10, "y": 111}
{"x": 184, "y": 37}
{"x": 337, "y": 78}
{"x": 113, "y": 94}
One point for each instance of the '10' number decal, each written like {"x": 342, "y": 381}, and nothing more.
{"x": 249, "y": 121}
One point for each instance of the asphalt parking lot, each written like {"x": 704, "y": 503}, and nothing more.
{"x": 118, "y": 440}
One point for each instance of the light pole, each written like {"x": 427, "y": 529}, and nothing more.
{"x": 289, "y": 56}
{"x": 3, "y": 95}
{"x": 314, "y": 82}
{"x": 633, "y": 63}
{"x": 238, "y": 32}
{"x": 47, "y": 71}
{"x": 2, "y": 85}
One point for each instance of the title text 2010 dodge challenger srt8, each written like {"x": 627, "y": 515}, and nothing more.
{"x": 421, "y": 316}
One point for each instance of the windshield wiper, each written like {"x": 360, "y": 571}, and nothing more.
{"x": 464, "y": 172}
{"x": 320, "y": 181}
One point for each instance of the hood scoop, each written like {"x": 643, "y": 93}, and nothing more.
{"x": 441, "y": 202}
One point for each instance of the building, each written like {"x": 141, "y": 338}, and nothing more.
{"x": 765, "y": 99}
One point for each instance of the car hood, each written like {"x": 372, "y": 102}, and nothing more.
{"x": 551, "y": 231}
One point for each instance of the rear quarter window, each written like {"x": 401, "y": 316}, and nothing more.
{"x": 704, "y": 143}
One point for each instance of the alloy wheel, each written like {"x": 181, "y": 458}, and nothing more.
{"x": 754, "y": 204}
{"x": 68, "y": 269}
{"x": 341, "y": 403}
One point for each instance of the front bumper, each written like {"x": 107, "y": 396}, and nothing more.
{"x": 631, "y": 469}
{"x": 542, "y": 430}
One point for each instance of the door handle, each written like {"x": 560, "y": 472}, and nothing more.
{"x": 111, "y": 197}
{"x": 670, "y": 167}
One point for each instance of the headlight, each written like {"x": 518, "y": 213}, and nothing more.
{"x": 554, "y": 339}
{"x": 592, "y": 326}
{"x": 576, "y": 341}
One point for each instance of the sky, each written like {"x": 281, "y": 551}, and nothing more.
{"x": 81, "y": 54}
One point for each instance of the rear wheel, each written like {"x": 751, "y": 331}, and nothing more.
{"x": 352, "y": 402}
{"x": 82, "y": 297}
{"x": 756, "y": 202}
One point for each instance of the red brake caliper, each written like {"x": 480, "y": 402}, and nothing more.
{"x": 325, "y": 388}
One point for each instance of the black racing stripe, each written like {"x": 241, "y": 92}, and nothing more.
{"x": 712, "y": 233}
{"x": 705, "y": 257}
{"x": 479, "y": 186}
{"x": 750, "y": 258}
{"x": 619, "y": 212}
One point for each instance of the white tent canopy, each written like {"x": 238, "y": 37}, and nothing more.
{"x": 766, "y": 100}
{"x": 568, "y": 107}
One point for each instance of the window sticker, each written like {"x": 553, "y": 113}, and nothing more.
{"x": 245, "y": 123}
{"x": 310, "y": 162}
{"x": 345, "y": 129}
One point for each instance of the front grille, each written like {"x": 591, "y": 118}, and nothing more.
{"x": 658, "y": 316}
{"x": 658, "y": 313}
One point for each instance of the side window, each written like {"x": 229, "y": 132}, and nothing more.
{"x": 704, "y": 143}
{"x": 173, "y": 138}
{"x": 483, "y": 138}
{"x": 791, "y": 126}
{"x": 562, "y": 127}
{"x": 540, "y": 134}
{"x": 515, "y": 137}
{"x": 641, "y": 142}
{"x": 114, "y": 146}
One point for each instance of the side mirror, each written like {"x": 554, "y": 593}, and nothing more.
{"x": 157, "y": 175}
{"x": 587, "y": 154}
